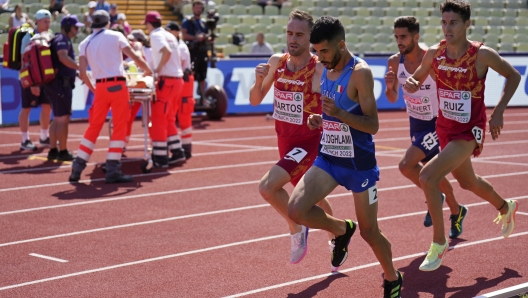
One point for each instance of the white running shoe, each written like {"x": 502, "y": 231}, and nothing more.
{"x": 299, "y": 245}
{"x": 434, "y": 257}
{"x": 508, "y": 219}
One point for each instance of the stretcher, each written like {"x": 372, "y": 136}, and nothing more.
{"x": 141, "y": 90}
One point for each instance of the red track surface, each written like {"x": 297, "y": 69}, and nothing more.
{"x": 202, "y": 229}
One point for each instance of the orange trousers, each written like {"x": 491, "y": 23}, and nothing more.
{"x": 186, "y": 110}
{"x": 108, "y": 95}
{"x": 163, "y": 132}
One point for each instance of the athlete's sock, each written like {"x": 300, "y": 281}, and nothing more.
{"x": 43, "y": 134}
{"x": 25, "y": 136}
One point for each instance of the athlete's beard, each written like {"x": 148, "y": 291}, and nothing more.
{"x": 409, "y": 48}
{"x": 336, "y": 59}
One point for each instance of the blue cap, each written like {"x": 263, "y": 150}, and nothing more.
{"x": 42, "y": 14}
{"x": 71, "y": 20}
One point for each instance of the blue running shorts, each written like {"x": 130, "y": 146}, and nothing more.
{"x": 354, "y": 180}
{"x": 427, "y": 141}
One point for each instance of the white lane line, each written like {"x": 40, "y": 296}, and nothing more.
{"x": 522, "y": 213}
{"x": 298, "y": 281}
{"x": 221, "y": 212}
{"x": 48, "y": 258}
{"x": 500, "y": 162}
{"x": 461, "y": 245}
{"x": 504, "y": 156}
{"x": 212, "y": 187}
{"x": 146, "y": 175}
{"x": 508, "y": 292}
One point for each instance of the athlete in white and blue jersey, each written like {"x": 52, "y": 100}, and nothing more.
{"x": 422, "y": 107}
{"x": 346, "y": 152}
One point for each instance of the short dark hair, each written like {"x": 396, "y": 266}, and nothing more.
{"x": 409, "y": 22}
{"x": 156, "y": 24}
{"x": 462, "y": 7}
{"x": 302, "y": 16}
{"x": 327, "y": 28}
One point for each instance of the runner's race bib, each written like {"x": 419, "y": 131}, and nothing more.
{"x": 419, "y": 107}
{"x": 455, "y": 105}
{"x": 337, "y": 139}
{"x": 288, "y": 106}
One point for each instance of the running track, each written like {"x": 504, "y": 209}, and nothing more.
{"x": 202, "y": 229}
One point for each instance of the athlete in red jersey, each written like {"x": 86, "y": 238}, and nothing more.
{"x": 461, "y": 66}
{"x": 295, "y": 78}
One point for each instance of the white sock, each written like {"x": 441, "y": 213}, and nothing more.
{"x": 43, "y": 134}
{"x": 25, "y": 136}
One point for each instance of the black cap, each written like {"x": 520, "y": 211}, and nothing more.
{"x": 173, "y": 26}
{"x": 100, "y": 18}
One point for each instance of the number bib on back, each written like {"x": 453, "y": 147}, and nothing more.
{"x": 419, "y": 107}
{"x": 288, "y": 106}
{"x": 337, "y": 139}
{"x": 455, "y": 105}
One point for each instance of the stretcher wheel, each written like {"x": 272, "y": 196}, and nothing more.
{"x": 218, "y": 99}
{"x": 146, "y": 166}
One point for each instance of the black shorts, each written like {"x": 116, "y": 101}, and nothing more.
{"x": 56, "y": 8}
{"x": 60, "y": 95}
{"x": 31, "y": 101}
{"x": 199, "y": 65}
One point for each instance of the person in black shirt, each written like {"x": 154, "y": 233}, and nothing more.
{"x": 60, "y": 89}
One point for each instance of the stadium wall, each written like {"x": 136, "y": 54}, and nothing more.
{"x": 237, "y": 75}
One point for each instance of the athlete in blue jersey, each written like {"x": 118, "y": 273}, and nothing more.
{"x": 346, "y": 152}
{"x": 422, "y": 107}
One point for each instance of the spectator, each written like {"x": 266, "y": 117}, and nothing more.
{"x": 113, "y": 13}
{"x": 4, "y": 6}
{"x": 87, "y": 20}
{"x": 18, "y": 18}
{"x": 260, "y": 46}
{"x": 121, "y": 20}
{"x": 102, "y": 5}
{"x": 56, "y": 7}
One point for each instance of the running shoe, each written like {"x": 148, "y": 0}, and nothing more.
{"x": 331, "y": 247}
{"x": 508, "y": 219}
{"x": 65, "y": 155}
{"x": 299, "y": 245}
{"x": 340, "y": 251}
{"x": 53, "y": 153}
{"x": 434, "y": 257}
{"x": 44, "y": 143}
{"x": 27, "y": 146}
{"x": 427, "y": 220}
{"x": 456, "y": 222}
{"x": 392, "y": 289}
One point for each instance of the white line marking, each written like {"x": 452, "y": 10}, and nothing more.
{"x": 458, "y": 246}
{"x": 146, "y": 175}
{"x": 508, "y": 292}
{"x": 522, "y": 213}
{"x": 237, "y": 244}
{"x": 48, "y": 258}
{"x": 210, "y": 187}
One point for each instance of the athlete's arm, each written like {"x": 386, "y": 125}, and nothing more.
{"x": 361, "y": 83}
{"x": 264, "y": 74}
{"x": 414, "y": 82}
{"x": 315, "y": 121}
{"x": 488, "y": 57}
{"x": 316, "y": 82}
{"x": 391, "y": 81}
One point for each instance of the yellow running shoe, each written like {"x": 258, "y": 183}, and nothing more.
{"x": 434, "y": 257}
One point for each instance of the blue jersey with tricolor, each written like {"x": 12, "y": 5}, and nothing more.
{"x": 341, "y": 144}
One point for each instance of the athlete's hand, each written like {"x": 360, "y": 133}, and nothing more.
{"x": 496, "y": 123}
{"x": 262, "y": 70}
{"x": 329, "y": 107}
{"x": 35, "y": 90}
{"x": 390, "y": 77}
{"x": 411, "y": 85}
{"x": 315, "y": 121}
